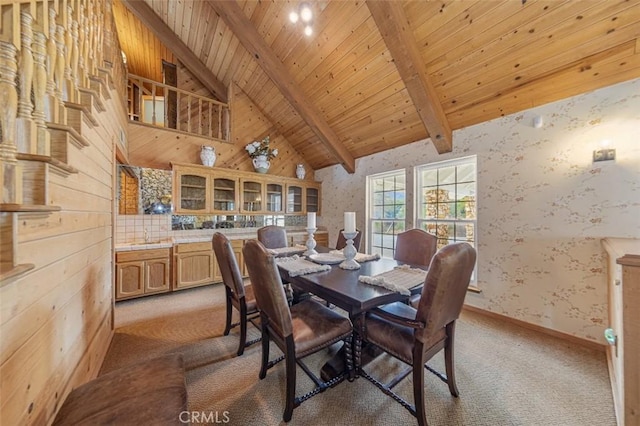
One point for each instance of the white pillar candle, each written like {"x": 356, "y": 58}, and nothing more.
{"x": 311, "y": 220}
{"x": 349, "y": 221}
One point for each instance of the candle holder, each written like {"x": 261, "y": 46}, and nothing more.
{"x": 349, "y": 252}
{"x": 311, "y": 242}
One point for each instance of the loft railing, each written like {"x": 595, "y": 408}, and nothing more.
{"x": 167, "y": 106}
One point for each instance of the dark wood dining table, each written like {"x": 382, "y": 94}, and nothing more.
{"x": 342, "y": 288}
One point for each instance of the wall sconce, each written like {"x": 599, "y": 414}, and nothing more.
{"x": 604, "y": 153}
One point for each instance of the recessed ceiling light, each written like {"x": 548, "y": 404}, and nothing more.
{"x": 308, "y": 30}
{"x": 305, "y": 12}
{"x": 293, "y": 17}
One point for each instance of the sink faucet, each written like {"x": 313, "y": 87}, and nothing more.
{"x": 146, "y": 235}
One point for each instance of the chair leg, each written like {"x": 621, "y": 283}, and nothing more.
{"x": 418, "y": 384}
{"x": 227, "y": 327}
{"x": 265, "y": 348}
{"x": 290, "y": 361}
{"x": 243, "y": 327}
{"x": 448, "y": 359}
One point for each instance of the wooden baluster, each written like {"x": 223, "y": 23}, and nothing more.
{"x": 75, "y": 59}
{"x": 219, "y": 122}
{"x": 82, "y": 33}
{"x": 153, "y": 104}
{"x": 25, "y": 126}
{"x": 68, "y": 47}
{"x": 189, "y": 113}
{"x": 200, "y": 116}
{"x": 59, "y": 74}
{"x": 43, "y": 144}
{"x": 10, "y": 169}
{"x": 51, "y": 103}
{"x": 226, "y": 124}
{"x": 210, "y": 118}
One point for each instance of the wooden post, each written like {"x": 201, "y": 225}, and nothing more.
{"x": 10, "y": 170}
{"x": 51, "y": 103}
{"x": 43, "y": 142}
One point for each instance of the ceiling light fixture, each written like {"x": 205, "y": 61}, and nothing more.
{"x": 303, "y": 13}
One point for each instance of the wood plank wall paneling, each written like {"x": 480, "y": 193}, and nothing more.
{"x": 157, "y": 148}
{"x": 56, "y": 320}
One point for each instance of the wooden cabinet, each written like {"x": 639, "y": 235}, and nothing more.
{"x": 194, "y": 265}
{"x": 295, "y": 200}
{"x": 322, "y": 239}
{"x": 190, "y": 192}
{"x": 141, "y": 272}
{"x": 623, "y": 334}
{"x": 252, "y": 195}
{"x": 225, "y": 194}
{"x": 312, "y": 198}
{"x": 203, "y": 190}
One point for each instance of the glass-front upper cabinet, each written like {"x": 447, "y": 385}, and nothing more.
{"x": 252, "y": 197}
{"x": 275, "y": 198}
{"x": 192, "y": 193}
{"x": 225, "y": 194}
{"x": 294, "y": 199}
{"x": 313, "y": 199}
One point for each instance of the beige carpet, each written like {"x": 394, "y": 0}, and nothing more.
{"x": 506, "y": 375}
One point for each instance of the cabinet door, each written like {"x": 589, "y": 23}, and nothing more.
{"x": 192, "y": 190}
{"x": 156, "y": 276}
{"x": 252, "y": 196}
{"x": 225, "y": 195}
{"x": 275, "y": 198}
{"x": 195, "y": 268}
{"x": 313, "y": 199}
{"x": 294, "y": 199}
{"x": 237, "y": 245}
{"x": 129, "y": 279}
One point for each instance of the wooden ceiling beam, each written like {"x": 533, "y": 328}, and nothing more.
{"x": 151, "y": 20}
{"x": 242, "y": 27}
{"x": 393, "y": 25}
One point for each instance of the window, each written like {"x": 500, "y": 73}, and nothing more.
{"x": 446, "y": 200}
{"x": 386, "y": 211}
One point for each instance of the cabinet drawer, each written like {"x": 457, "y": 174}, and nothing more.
{"x": 128, "y": 256}
{"x": 191, "y": 247}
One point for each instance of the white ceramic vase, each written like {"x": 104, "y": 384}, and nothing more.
{"x": 300, "y": 171}
{"x": 261, "y": 164}
{"x": 208, "y": 155}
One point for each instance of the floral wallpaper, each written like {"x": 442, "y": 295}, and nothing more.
{"x": 543, "y": 204}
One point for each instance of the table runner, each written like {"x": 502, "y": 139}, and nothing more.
{"x": 296, "y": 265}
{"x": 360, "y": 257}
{"x": 400, "y": 279}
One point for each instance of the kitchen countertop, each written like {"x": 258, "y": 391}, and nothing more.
{"x": 203, "y": 236}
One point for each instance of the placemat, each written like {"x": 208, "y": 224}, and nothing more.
{"x": 296, "y": 265}
{"x": 360, "y": 257}
{"x": 400, "y": 279}
{"x": 288, "y": 251}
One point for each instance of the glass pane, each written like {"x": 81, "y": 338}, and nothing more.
{"x": 429, "y": 177}
{"x": 399, "y": 211}
{"x": 464, "y": 232}
{"x": 389, "y": 212}
{"x": 446, "y": 175}
{"x": 466, "y": 209}
{"x": 466, "y": 191}
{"x": 446, "y": 210}
{"x": 377, "y": 212}
{"x": 378, "y": 185}
{"x": 430, "y": 227}
{"x": 446, "y": 193}
{"x": 467, "y": 172}
{"x": 389, "y": 197}
{"x": 377, "y": 239}
{"x": 378, "y": 198}
{"x": 444, "y": 231}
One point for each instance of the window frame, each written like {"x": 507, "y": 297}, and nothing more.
{"x": 370, "y": 220}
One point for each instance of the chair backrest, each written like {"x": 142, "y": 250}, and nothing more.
{"x": 228, "y": 264}
{"x": 267, "y": 287}
{"x": 415, "y": 247}
{"x": 342, "y": 242}
{"x": 273, "y": 237}
{"x": 445, "y": 288}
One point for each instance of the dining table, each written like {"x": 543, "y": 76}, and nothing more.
{"x": 342, "y": 288}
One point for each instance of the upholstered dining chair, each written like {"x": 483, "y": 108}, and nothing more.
{"x": 342, "y": 241}
{"x": 273, "y": 237}
{"x": 238, "y": 295}
{"x": 415, "y": 335}
{"x": 415, "y": 247}
{"x": 299, "y": 331}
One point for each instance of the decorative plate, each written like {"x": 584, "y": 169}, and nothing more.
{"x": 326, "y": 258}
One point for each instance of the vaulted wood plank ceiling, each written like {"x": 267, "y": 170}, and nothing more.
{"x": 482, "y": 59}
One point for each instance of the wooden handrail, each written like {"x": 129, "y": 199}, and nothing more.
{"x": 210, "y": 124}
